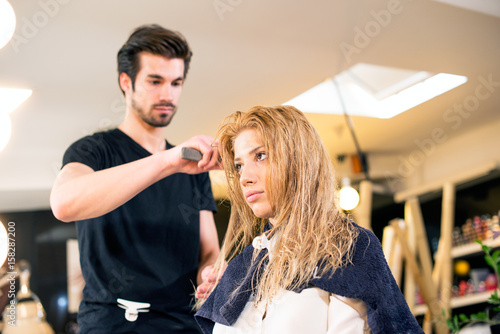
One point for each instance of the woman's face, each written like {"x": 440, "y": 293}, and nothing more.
{"x": 251, "y": 163}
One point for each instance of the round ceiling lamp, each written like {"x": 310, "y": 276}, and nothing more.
{"x": 4, "y": 245}
{"x": 5, "y": 129}
{"x": 7, "y": 22}
{"x": 349, "y": 197}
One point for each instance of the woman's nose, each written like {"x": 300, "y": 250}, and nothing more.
{"x": 247, "y": 175}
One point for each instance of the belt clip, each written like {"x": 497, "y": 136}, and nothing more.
{"x": 132, "y": 309}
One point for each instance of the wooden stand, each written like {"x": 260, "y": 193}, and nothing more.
{"x": 363, "y": 212}
{"x": 416, "y": 253}
{"x": 392, "y": 250}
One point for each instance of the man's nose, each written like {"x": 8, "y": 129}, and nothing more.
{"x": 166, "y": 93}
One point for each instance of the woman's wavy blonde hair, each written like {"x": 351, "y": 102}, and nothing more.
{"x": 309, "y": 226}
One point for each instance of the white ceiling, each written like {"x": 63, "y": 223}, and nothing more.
{"x": 245, "y": 53}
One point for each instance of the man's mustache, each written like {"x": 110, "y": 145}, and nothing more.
{"x": 166, "y": 104}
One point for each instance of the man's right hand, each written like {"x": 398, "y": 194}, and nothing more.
{"x": 82, "y": 193}
{"x": 208, "y": 149}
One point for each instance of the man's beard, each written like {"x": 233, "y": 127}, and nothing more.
{"x": 163, "y": 120}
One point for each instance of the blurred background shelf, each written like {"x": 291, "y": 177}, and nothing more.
{"x": 473, "y": 248}
{"x": 457, "y": 302}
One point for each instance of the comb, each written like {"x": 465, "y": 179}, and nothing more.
{"x": 192, "y": 154}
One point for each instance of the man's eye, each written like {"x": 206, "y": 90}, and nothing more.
{"x": 155, "y": 82}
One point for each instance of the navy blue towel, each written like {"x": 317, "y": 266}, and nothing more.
{"x": 368, "y": 278}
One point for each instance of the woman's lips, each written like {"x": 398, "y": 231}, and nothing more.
{"x": 252, "y": 196}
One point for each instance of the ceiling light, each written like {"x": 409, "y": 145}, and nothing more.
{"x": 348, "y": 196}
{"x": 10, "y": 99}
{"x": 5, "y": 130}
{"x": 418, "y": 94}
{"x": 4, "y": 248}
{"x": 7, "y": 22}
{"x": 488, "y": 7}
{"x": 375, "y": 91}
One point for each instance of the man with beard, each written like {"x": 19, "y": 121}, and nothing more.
{"x": 144, "y": 216}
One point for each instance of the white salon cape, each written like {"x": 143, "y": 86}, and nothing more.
{"x": 312, "y": 311}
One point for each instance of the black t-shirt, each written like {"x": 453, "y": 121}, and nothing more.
{"x": 146, "y": 250}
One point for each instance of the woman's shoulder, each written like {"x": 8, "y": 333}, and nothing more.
{"x": 365, "y": 236}
{"x": 366, "y": 247}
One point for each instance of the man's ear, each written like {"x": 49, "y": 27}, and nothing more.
{"x": 125, "y": 82}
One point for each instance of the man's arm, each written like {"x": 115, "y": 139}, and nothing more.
{"x": 79, "y": 192}
{"x": 209, "y": 243}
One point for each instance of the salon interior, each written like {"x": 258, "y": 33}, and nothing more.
{"x": 404, "y": 94}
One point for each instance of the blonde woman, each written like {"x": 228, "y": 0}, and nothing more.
{"x": 296, "y": 264}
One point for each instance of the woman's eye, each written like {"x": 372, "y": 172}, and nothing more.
{"x": 237, "y": 167}
{"x": 261, "y": 156}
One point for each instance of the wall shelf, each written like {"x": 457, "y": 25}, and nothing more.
{"x": 457, "y": 302}
{"x": 473, "y": 248}
{"x": 476, "y": 298}
{"x": 465, "y": 179}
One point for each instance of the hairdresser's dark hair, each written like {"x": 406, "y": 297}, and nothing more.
{"x": 156, "y": 40}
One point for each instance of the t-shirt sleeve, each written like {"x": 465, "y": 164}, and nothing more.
{"x": 87, "y": 150}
